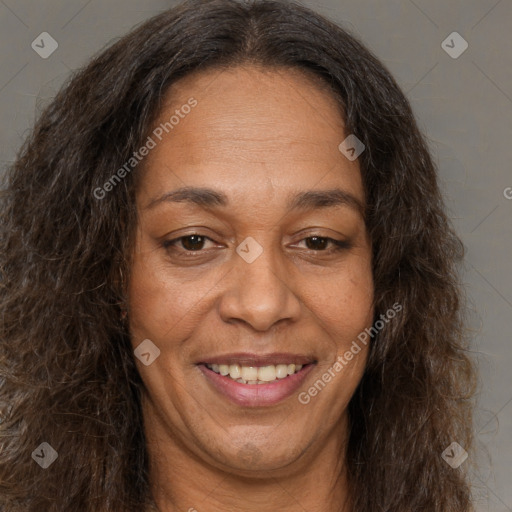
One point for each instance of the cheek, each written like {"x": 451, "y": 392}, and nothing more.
{"x": 158, "y": 304}
{"x": 343, "y": 309}
{"x": 342, "y": 302}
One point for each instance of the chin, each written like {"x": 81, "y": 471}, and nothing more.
{"x": 251, "y": 456}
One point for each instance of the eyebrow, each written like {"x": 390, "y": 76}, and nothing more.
{"x": 312, "y": 199}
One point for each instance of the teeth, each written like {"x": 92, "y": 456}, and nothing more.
{"x": 234, "y": 371}
{"x": 281, "y": 371}
{"x": 255, "y": 374}
{"x": 249, "y": 373}
{"x": 267, "y": 373}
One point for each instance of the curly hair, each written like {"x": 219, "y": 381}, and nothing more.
{"x": 67, "y": 371}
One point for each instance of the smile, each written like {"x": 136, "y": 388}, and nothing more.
{"x": 255, "y": 386}
{"x": 253, "y": 374}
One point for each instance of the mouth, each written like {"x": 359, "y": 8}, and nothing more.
{"x": 254, "y": 381}
{"x": 254, "y": 374}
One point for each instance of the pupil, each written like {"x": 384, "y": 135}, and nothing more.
{"x": 193, "y": 242}
{"x": 323, "y": 243}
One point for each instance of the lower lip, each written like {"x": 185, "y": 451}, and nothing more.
{"x": 257, "y": 395}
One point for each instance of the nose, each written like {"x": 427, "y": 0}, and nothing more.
{"x": 260, "y": 293}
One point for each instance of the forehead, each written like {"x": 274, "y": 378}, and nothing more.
{"x": 252, "y": 129}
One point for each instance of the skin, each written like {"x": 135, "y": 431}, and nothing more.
{"x": 257, "y": 135}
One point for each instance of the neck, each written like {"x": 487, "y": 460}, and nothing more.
{"x": 181, "y": 481}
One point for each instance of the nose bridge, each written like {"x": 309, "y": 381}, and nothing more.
{"x": 258, "y": 293}
{"x": 264, "y": 274}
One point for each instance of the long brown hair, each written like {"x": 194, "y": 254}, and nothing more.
{"x": 67, "y": 374}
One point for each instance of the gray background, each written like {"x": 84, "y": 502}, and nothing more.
{"x": 463, "y": 105}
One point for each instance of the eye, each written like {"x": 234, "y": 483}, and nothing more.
{"x": 191, "y": 243}
{"x": 325, "y": 244}
{"x": 194, "y": 243}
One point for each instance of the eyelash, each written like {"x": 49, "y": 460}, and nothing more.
{"x": 338, "y": 245}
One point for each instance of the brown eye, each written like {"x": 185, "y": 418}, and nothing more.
{"x": 317, "y": 243}
{"x": 192, "y": 242}
{"x": 325, "y": 244}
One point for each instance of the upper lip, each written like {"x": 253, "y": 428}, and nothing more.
{"x": 248, "y": 359}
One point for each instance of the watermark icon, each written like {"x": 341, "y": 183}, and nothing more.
{"x": 454, "y": 455}
{"x": 454, "y": 45}
{"x": 508, "y": 193}
{"x": 249, "y": 250}
{"x": 45, "y": 455}
{"x": 146, "y": 352}
{"x": 305, "y": 396}
{"x": 151, "y": 143}
{"x": 351, "y": 147}
{"x": 44, "y": 45}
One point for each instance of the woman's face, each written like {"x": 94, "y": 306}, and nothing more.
{"x": 242, "y": 273}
